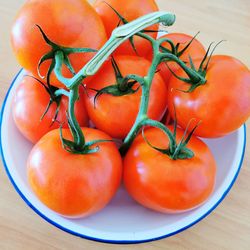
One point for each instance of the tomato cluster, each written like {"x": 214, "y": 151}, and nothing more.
{"x": 75, "y": 168}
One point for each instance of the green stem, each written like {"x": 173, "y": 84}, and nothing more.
{"x": 61, "y": 92}
{"x": 75, "y": 127}
{"x": 141, "y": 117}
{"x": 119, "y": 35}
{"x": 143, "y": 110}
{"x": 170, "y": 42}
{"x": 156, "y": 124}
{"x": 194, "y": 76}
{"x": 59, "y": 58}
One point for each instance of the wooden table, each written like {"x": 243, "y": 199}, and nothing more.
{"x": 226, "y": 228}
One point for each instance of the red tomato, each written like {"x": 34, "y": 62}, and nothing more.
{"x": 70, "y": 23}
{"x": 196, "y": 50}
{"x": 222, "y": 104}
{"x": 165, "y": 185}
{"x": 115, "y": 115}
{"x": 30, "y": 102}
{"x": 74, "y": 185}
{"x": 130, "y": 10}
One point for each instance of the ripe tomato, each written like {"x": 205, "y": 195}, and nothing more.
{"x": 70, "y": 23}
{"x": 30, "y": 102}
{"x": 196, "y": 50}
{"x": 222, "y": 104}
{"x": 130, "y": 10}
{"x": 168, "y": 186}
{"x": 74, "y": 185}
{"x": 115, "y": 115}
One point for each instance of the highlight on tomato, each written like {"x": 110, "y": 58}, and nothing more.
{"x": 115, "y": 111}
{"x": 69, "y": 23}
{"x": 74, "y": 185}
{"x": 168, "y": 185}
{"x": 221, "y": 104}
{"x": 129, "y": 10}
{"x": 30, "y": 102}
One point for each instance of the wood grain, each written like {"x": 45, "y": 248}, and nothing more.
{"x": 228, "y": 227}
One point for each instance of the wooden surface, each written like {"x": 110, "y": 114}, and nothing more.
{"x": 226, "y": 228}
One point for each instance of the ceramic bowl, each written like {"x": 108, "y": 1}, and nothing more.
{"x": 123, "y": 220}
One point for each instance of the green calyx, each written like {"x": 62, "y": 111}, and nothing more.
{"x": 51, "y": 55}
{"x": 123, "y": 85}
{"x": 196, "y": 76}
{"x": 175, "y": 150}
{"x": 175, "y": 49}
{"x": 180, "y": 152}
{"x": 87, "y": 148}
{"x": 115, "y": 91}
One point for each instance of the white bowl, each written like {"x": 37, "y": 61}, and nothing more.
{"x": 123, "y": 220}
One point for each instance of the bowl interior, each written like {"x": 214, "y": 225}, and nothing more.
{"x": 123, "y": 220}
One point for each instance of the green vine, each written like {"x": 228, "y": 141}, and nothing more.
{"x": 59, "y": 56}
{"x": 124, "y": 84}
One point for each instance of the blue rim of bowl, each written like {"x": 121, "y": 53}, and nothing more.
{"x": 99, "y": 239}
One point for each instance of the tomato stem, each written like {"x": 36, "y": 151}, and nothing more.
{"x": 174, "y": 151}
{"x": 76, "y": 129}
{"x": 195, "y": 76}
{"x": 119, "y": 35}
{"x": 146, "y": 82}
{"x": 61, "y": 92}
{"x": 59, "y": 56}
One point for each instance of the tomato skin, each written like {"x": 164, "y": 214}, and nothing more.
{"x": 222, "y": 104}
{"x": 74, "y": 185}
{"x": 30, "y": 102}
{"x": 196, "y": 50}
{"x": 130, "y": 10}
{"x": 70, "y": 23}
{"x": 116, "y": 115}
{"x": 165, "y": 185}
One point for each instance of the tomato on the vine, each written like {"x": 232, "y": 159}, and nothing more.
{"x": 160, "y": 183}
{"x": 29, "y": 104}
{"x": 130, "y": 10}
{"x": 221, "y": 105}
{"x": 196, "y": 51}
{"x": 115, "y": 115}
{"x": 70, "y": 23}
{"x": 74, "y": 185}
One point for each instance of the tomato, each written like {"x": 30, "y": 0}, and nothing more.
{"x": 116, "y": 115}
{"x": 74, "y": 185}
{"x": 165, "y": 185}
{"x": 222, "y": 104}
{"x": 29, "y": 104}
{"x": 130, "y": 10}
{"x": 196, "y": 50}
{"x": 70, "y": 23}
